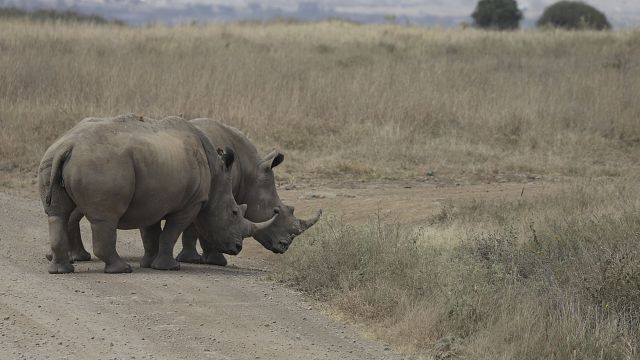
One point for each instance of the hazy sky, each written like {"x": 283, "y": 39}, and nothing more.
{"x": 621, "y": 12}
{"x": 613, "y": 8}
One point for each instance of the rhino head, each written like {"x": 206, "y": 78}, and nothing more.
{"x": 221, "y": 222}
{"x": 264, "y": 203}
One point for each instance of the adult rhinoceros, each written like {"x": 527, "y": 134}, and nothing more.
{"x": 129, "y": 172}
{"x": 253, "y": 184}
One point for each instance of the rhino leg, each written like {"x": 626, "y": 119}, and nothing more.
{"x": 58, "y": 211}
{"x": 214, "y": 258}
{"x": 150, "y": 238}
{"x": 103, "y": 234}
{"x": 77, "y": 251}
{"x": 189, "y": 254}
{"x": 60, "y": 262}
{"x": 174, "y": 225}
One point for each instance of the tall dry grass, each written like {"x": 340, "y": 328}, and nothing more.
{"x": 338, "y": 98}
{"x": 556, "y": 277}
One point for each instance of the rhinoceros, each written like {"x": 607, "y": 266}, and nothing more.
{"x": 253, "y": 184}
{"x": 131, "y": 172}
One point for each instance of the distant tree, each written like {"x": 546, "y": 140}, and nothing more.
{"x": 573, "y": 15}
{"x": 497, "y": 14}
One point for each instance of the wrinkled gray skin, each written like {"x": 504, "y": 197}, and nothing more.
{"x": 129, "y": 172}
{"x": 253, "y": 183}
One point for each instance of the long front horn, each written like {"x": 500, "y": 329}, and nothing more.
{"x": 305, "y": 224}
{"x": 255, "y": 227}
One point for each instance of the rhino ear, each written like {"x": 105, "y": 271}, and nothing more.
{"x": 272, "y": 160}
{"x": 228, "y": 156}
{"x": 277, "y": 160}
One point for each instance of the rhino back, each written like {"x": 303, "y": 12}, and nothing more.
{"x": 136, "y": 171}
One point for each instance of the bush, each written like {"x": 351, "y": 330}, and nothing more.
{"x": 497, "y": 14}
{"x": 573, "y": 15}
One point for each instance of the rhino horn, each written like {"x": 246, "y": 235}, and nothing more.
{"x": 305, "y": 224}
{"x": 255, "y": 227}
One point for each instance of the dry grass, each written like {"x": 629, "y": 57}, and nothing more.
{"x": 556, "y": 277}
{"x": 341, "y": 99}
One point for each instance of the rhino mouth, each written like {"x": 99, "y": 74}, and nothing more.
{"x": 277, "y": 247}
{"x": 235, "y": 250}
{"x": 280, "y": 247}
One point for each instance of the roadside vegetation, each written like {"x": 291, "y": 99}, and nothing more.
{"x": 554, "y": 277}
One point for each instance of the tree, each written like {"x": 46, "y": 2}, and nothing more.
{"x": 573, "y": 15}
{"x": 497, "y": 14}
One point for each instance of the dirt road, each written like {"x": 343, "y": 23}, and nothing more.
{"x": 199, "y": 312}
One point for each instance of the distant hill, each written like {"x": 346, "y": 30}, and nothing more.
{"x": 442, "y": 13}
{"x": 54, "y": 15}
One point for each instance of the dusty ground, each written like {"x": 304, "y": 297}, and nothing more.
{"x": 200, "y": 311}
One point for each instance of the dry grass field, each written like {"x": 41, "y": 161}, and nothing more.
{"x": 367, "y": 101}
{"x": 555, "y": 276}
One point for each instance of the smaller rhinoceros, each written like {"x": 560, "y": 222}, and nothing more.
{"x": 131, "y": 172}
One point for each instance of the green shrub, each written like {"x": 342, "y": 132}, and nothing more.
{"x": 573, "y": 15}
{"x": 497, "y": 14}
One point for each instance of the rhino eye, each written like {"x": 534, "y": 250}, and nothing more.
{"x": 234, "y": 211}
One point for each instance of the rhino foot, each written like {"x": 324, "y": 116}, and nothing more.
{"x": 82, "y": 255}
{"x": 118, "y": 267}
{"x": 55, "y": 268}
{"x": 189, "y": 256}
{"x": 165, "y": 263}
{"x": 214, "y": 258}
{"x": 146, "y": 261}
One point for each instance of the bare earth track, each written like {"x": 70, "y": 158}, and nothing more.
{"x": 198, "y": 312}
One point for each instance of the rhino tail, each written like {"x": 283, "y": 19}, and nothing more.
{"x": 55, "y": 177}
